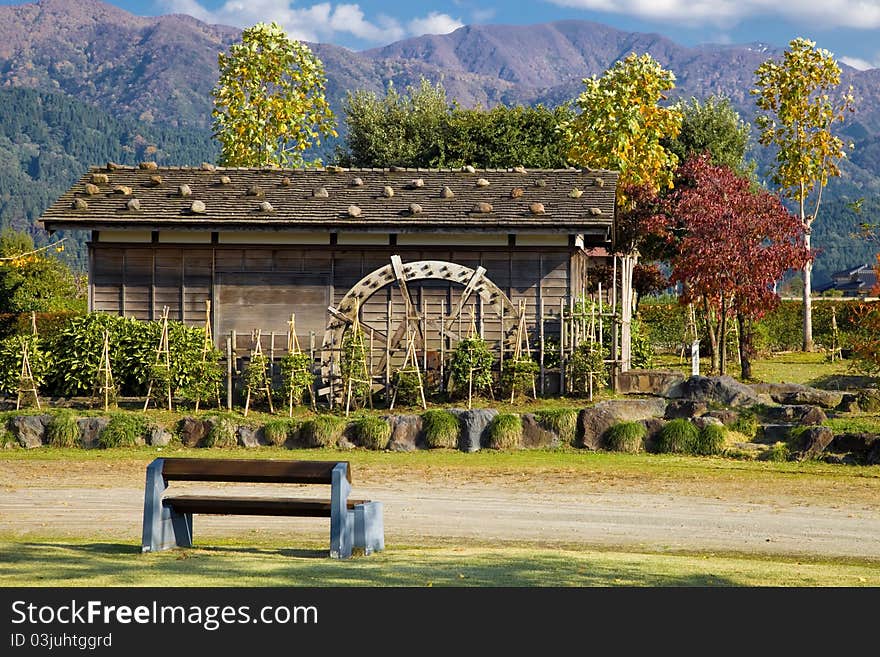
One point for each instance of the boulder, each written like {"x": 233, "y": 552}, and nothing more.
{"x": 473, "y": 426}
{"x": 535, "y": 434}
{"x": 406, "y": 433}
{"x": 869, "y": 401}
{"x": 720, "y": 389}
{"x": 90, "y": 429}
{"x": 647, "y": 382}
{"x": 30, "y": 430}
{"x": 857, "y": 443}
{"x": 803, "y": 414}
{"x": 193, "y": 431}
{"x": 873, "y": 456}
{"x": 849, "y": 403}
{"x": 705, "y": 420}
{"x": 795, "y": 393}
{"x": 725, "y": 415}
{"x": 685, "y": 408}
{"x": 653, "y": 426}
{"x": 813, "y": 441}
{"x": 160, "y": 437}
{"x": 249, "y": 436}
{"x": 594, "y": 421}
{"x": 773, "y": 433}
{"x": 813, "y": 416}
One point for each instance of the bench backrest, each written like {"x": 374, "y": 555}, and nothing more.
{"x": 251, "y": 470}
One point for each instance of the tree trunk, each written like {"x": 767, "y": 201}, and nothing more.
{"x": 713, "y": 341}
{"x": 722, "y": 338}
{"x": 808, "y": 278}
{"x": 745, "y": 347}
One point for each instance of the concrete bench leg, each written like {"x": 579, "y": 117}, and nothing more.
{"x": 341, "y": 519}
{"x": 163, "y": 528}
{"x": 369, "y": 527}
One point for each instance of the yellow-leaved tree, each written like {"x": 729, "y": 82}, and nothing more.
{"x": 269, "y": 102}
{"x": 800, "y": 110}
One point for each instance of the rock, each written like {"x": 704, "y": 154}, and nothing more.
{"x": 446, "y": 192}
{"x": 849, "y": 403}
{"x": 705, "y": 420}
{"x": 193, "y": 431}
{"x": 858, "y": 443}
{"x": 773, "y": 433}
{"x": 648, "y": 382}
{"x": 482, "y": 208}
{"x": 249, "y": 436}
{"x": 869, "y": 401}
{"x": 160, "y": 437}
{"x": 596, "y": 420}
{"x": 406, "y": 433}
{"x": 873, "y": 456}
{"x": 473, "y": 426}
{"x": 197, "y": 207}
{"x": 813, "y": 416}
{"x": 30, "y": 430}
{"x": 685, "y": 408}
{"x": 725, "y": 415}
{"x": 653, "y": 426}
{"x": 536, "y": 208}
{"x": 721, "y": 389}
{"x": 535, "y": 434}
{"x": 354, "y": 211}
{"x": 794, "y": 393}
{"x": 415, "y": 208}
{"x": 814, "y": 440}
{"x": 90, "y": 429}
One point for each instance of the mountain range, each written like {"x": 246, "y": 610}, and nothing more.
{"x": 159, "y": 71}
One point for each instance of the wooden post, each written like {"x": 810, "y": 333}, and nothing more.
{"x": 541, "y": 342}
{"x": 229, "y": 374}
{"x": 271, "y": 354}
{"x": 388, "y": 351}
{"x": 562, "y": 390}
{"x": 424, "y": 305}
{"x": 501, "y": 353}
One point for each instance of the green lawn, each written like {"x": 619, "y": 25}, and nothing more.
{"x": 101, "y": 563}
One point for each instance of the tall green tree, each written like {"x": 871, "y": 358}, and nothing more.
{"x": 801, "y": 107}
{"x": 269, "y": 102}
{"x": 711, "y": 126}
{"x": 621, "y": 124}
{"x": 420, "y": 128}
{"x": 33, "y": 279}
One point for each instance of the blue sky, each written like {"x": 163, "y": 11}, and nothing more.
{"x": 848, "y": 28}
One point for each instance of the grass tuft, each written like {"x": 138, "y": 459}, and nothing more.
{"x": 626, "y": 437}
{"x": 372, "y": 432}
{"x": 563, "y": 421}
{"x": 441, "y": 429}
{"x": 63, "y": 429}
{"x": 123, "y": 430}
{"x": 678, "y": 436}
{"x": 322, "y": 431}
{"x": 505, "y": 431}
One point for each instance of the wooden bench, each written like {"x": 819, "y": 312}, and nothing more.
{"x": 168, "y": 518}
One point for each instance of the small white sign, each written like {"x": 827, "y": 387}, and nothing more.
{"x": 695, "y": 358}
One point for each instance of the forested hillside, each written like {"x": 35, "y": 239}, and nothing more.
{"x": 48, "y": 140}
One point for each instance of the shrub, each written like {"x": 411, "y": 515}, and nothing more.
{"x": 278, "y": 430}
{"x": 518, "y": 377}
{"x": 222, "y": 433}
{"x": 563, "y": 421}
{"x": 406, "y": 386}
{"x": 63, "y": 429}
{"x": 585, "y": 361}
{"x": 778, "y": 452}
{"x": 123, "y": 430}
{"x": 372, "y": 432}
{"x": 678, "y": 437}
{"x": 441, "y": 429}
{"x": 296, "y": 376}
{"x": 746, "y": 423}
{"x": 710, "y": 440}
{"x": 505, "y": 431}
{"x": 256, "y": 377}
{"x": 322, "y": 431}
{"x": 642, "y": 351}
{"x": 11, "y": 355}
{"x": 626, "y": 437}
{"x": 471, "y": 358}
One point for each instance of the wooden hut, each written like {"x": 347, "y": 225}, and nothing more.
{"x": 435, "y": 249}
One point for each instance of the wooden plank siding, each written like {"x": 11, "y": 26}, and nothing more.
{"x": 259, "y": 286}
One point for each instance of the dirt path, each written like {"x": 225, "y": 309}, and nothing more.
{"x": 40, "y": 499}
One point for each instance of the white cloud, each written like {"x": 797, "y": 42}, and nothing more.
{"x": 861, "y": 14}
{"x": 434, "y": 23}
{"x": 321, "y": 22}
{"x": 859, "y": 63}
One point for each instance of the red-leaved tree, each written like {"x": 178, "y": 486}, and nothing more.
{"x": 732, "y": 243}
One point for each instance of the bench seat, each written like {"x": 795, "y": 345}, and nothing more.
{"x": 254, "y": 506}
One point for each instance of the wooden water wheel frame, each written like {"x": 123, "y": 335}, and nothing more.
{"x": 400, "y": 274}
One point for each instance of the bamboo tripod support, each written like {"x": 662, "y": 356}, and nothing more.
{"x": 26, "y": 382}
{"x": 410, "y": 365}
{"x": 207, "y": 347}
{"x": 257, "y": 351}
{"x": 358, "y": 346}
{"x": 294, "y": 348}
{"x": 104, "y": 385}
{"x": 163, "y": 360}
{"x": 522, "y": 338}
